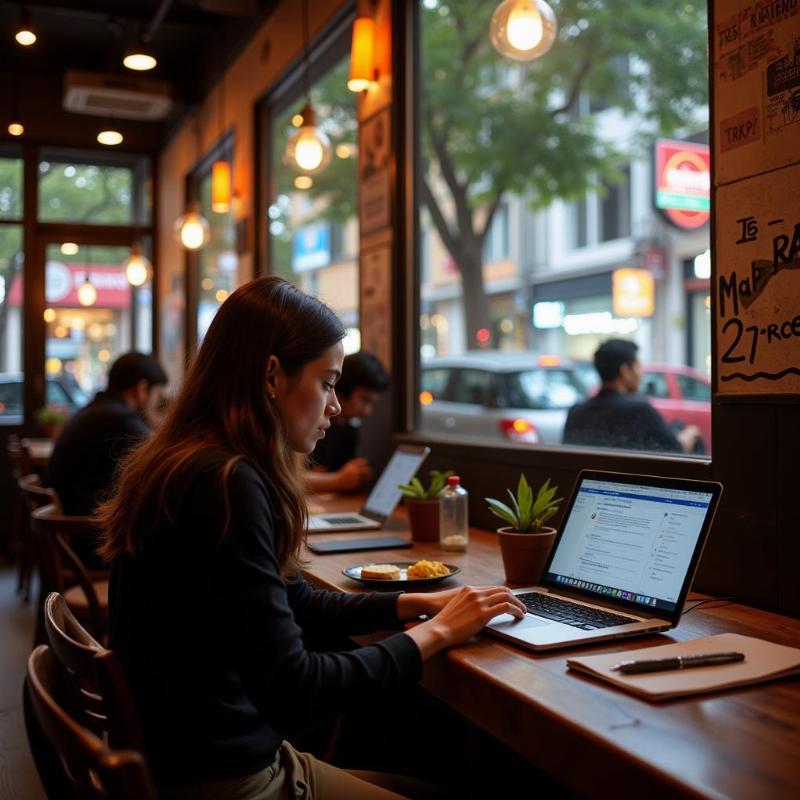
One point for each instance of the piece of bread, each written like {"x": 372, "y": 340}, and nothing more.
{"x": 427, "y": 569}
{"x": 381, "y": 572}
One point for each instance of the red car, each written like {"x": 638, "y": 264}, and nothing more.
{"x": 681, "y": 394}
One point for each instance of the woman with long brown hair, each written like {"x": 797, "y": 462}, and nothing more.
{"x": 207, "y": 608}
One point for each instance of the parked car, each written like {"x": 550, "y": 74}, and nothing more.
{"x": 519, "y": 397}
{"x": 59, "y": 392}
{"x": 682, "y": 395}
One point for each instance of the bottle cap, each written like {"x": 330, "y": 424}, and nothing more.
{"x": 453, "y": 480}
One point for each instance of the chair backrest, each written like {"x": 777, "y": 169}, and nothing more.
{"x": 93, "y": 770}
{"x": 34, "y": 494}
{"x": 59, "y": 566}
{"x": 101, "y": 688}
{"x": 20, "y": 462}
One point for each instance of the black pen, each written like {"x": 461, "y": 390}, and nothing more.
{"x": 677, "y": 662}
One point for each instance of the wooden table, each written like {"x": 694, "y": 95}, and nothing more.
{"x": 594, "y": 738}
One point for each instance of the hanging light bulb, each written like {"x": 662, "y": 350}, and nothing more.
{"x": 140, "y": 57}
{"x": 523, "y": 29}
{"x": 16, "y": 128}
{"x": 362, "y": 70}
{"x": 138, "y": 269}
{"x": 308, "y": 149}
{"x": 191, "y": 228}
{"x": 109, "y": 137}
{"x": 87, "y": 294}
{"x": 25, "y": 34}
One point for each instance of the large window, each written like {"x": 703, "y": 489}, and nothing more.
{"x": 11, "y": 290}
{"x": 312, "y": 220}
{"x": 540, "y": 240}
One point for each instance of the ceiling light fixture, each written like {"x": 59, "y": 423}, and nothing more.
{"x": 16, "y": 128}
{"x": 308, "y": 149}
{"x": 138, "y": 269}
{"x": 140, "y": 57}
{"x": 109, "y": 137}
{"x": 25, "y": 34}
{"x": 362, "y": 68}
{"x": 87, "y": 294}
{"x": 191, "y": 228}
{"x": 523, "y": 29}
{"x": 221, "y": 169}
{"x": 69, "y": 248}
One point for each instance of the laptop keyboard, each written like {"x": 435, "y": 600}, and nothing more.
{"x": 583, "y": 617}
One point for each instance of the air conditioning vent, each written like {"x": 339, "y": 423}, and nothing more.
{"x": 112, "y": 95}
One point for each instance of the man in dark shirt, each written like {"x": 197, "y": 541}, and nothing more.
{"x": 92, "y": 442}
{"x": 616, "y": 416}
{"x": 336, "y": 467}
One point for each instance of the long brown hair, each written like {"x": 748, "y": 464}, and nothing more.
{"x": 223, "y": 408}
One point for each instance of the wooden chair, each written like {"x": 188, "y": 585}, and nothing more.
{"x": 33, "y": 495}
{"x": 99, "y": 681}
{"x": 62, "y": 571}
{"x": 90, "y": 770}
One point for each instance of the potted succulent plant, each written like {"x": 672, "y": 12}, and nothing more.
{"x": 50, "y": 419}
{"x": 422, "y": 505}
{"x": 525, "y": 543}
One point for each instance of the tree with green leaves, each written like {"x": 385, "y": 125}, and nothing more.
{"x": 490, "y": 126}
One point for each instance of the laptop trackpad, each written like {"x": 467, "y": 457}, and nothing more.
{"x": 511, "y": 623}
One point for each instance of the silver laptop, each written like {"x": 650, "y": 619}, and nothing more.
{"x": 622, "y": 564}
{"x": 382, "y": 500}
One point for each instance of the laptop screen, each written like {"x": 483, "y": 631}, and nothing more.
{"x": 402, "y": 467}
{"x": 630, "y": 541}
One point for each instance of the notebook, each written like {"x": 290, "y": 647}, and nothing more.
{"x": 382, "y": 500}
{"x": 764, "y": 661}
{"x": 622, "y": 563}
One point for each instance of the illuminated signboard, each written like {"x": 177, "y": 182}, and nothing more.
{"x": 683, "y": 182}
{"x": 633, "y": 293}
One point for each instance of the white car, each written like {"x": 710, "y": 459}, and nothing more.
{"x": 518, "y": 397}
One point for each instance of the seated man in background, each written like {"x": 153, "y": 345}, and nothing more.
{"x": 335, "y": 467}
{"x": 616, "y": 416}
{"x": 95, "y": 438}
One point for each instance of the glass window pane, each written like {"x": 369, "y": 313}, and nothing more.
{"x": 314, "y": 230}
{"x": 11, "y": 181}
{"x": 93, "y": 193}
{"x": 11, "y": 323}
{"x": 694, "y": 388}
{"x": 534, "y": 187}
{"x": 218, "y": 262}
{"x": 82, "y": 341}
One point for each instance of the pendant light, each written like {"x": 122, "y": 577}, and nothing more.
{"x": 140, "y": 56}
{"x": 221, "y": 169}
{"x": 523, "y": 29}
{"x": 308, "y": 149}
{"x": 87, "y": 294}
{"x": 191, "y": 228}
{"x": 25, "y": 35}
{"x": 138, "y": 269}
{"x": 362, "y": 68}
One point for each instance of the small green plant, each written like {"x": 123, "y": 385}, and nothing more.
{"x": 416, "y": 490}
{"x": 525, "y": 514}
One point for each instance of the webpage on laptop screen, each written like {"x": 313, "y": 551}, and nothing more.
{"x": 631, "y": 542}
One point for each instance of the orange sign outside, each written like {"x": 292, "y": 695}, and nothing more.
{"x": 633, "y": 293}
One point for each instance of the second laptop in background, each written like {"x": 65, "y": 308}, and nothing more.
{"x": 383, "y": 498}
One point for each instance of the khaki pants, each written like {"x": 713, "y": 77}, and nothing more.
{"x": 300, "y": 776}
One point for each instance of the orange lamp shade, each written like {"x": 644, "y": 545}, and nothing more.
{"x": 362, "y": 68}
{"x": 221, "y": 187}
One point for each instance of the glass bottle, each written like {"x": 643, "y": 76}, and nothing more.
{"x": 453, "y": 516}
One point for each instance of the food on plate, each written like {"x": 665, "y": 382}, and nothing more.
{"x": 381, "y": 572}
{"x": 427, "y": 569}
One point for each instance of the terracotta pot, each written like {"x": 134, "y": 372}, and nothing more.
{"x": 423, "y": 518}
{"x": 525, "y": 554}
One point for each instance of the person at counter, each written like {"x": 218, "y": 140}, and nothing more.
{"x": 207, "y": 608}
{"x": 616, "y": 416}
{"x": 334, "y": 466}
{"x": 94, "y": 440}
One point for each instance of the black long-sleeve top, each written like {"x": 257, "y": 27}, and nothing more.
{"x": 209, "y": 634}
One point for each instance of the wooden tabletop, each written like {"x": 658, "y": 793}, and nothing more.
{"x": 600, "y": 741}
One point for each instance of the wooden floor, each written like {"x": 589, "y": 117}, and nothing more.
{"x": 18, "y": 778}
